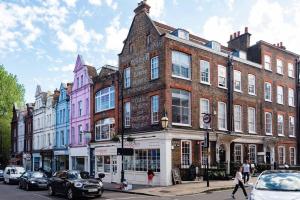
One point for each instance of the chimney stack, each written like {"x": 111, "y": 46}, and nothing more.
{"x": 142, "y": 7}
{"x": 240, "y": 41}
{"x": 246, "y": 29}
{"x": 234, "y": 35}
{"x": 239, "y": 33}
{"x": 231, "y": 37}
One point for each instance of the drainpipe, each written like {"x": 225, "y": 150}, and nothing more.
{"x": 230, "y": 94}
{"x": 297, "y": 69}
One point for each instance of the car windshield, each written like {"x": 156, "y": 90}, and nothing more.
{"x": 37, "y": 175}
{"x": 279, "y": 181}
{"x": 74, "y": 175}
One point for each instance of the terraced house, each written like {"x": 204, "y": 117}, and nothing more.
{"x": 250, "y": 92}
{"x": 62, "y": 128}
{"x": 79, "y": 154}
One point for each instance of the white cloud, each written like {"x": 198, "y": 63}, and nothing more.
{"x": 95, "y": 2}
{"x": 230, "y": 4}
{"x": 115, "y": 35}
{"x": 112, "y": 4}
{"x": 77, "y": 37}
{"x": 218, "y": 28}
{"x": 157, "y": 7}
{"x": 71, "y": 3}
{"x": 65, "y": 68}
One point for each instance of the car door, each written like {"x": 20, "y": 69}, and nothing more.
{"x": 61, "y": 183}
{"x": 23, "y": 179}
{"x": 55, "y": 181}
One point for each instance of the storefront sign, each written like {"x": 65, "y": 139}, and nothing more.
{"x": 101, "y": 151}
{"x": 58, "y": 153}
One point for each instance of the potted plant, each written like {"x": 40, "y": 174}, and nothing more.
{"x": 115, "y": 138}
{"x": 130, "y": 138}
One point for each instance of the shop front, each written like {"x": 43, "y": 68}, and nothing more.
{"x": 79, "y": 158}
{"x": 61, "y": 160}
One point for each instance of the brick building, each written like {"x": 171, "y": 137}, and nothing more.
{"x": 104, "y": 106}
{"x": 27, "y": 156}
{"x": 250, "y": 92}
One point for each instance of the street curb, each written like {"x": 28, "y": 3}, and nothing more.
{"x": 130, "y": 192}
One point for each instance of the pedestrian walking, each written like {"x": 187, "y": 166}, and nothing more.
{"x": 246, "y": 171}
{"x": 151, "y": 175}
{"x": 238, "y": 181}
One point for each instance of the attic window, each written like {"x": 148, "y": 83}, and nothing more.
{"x": 215, "y": 46}
{"x": 183, "y": 34}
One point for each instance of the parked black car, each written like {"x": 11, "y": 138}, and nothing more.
{"x": 74, "y": 184}
{"x": 33, "y": 180}
{"x": 1, "y": 175}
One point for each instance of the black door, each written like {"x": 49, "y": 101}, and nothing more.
{"x": 222, "y": 155}
{"x": 268, "y": 157}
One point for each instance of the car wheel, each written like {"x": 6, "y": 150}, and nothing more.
{"x": 70, "y": 194}
{"x": 27, "y": 187}
{"x": 51, "y": 191}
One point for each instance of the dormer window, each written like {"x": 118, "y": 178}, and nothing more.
{"x": 214, "y": 45}
{"x": 183, "y": 34}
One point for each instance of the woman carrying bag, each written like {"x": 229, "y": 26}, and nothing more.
{"x": 238, "y": 181}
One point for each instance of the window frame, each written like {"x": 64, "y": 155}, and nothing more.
{"x": 283, "y": 155}
{"x": 183, "y": 165}
{"x": 280, "y": 97}
{"x": 241, "y": 153}
{"x": 154, "y": 63}
{"x": 219, "y": 115}
{"x": 293, "y": 130}
{"x": 279, "y": 66}
{"x": 249, "y": 92}
{"x": 294, "y": 156}
{"x": 237, "y": 77}
{"x": 291, "y": 98}
{"x": 250, "y": 109}
{"x": 291, "y": 70}
{"x": 189, "y": 68}
{"x": 203, "y": 65}
{"x": 271, "y": 124}
{"x": 101, "y": 123}
{"x": 240, "y": 118}
{"x": 220, "y": 69}
{"x": 282, "y": 128}
{"x": 127, "y": 114}
{"x": 202, "y": 111}
{"x": 181, "y": 107}
{"x": 111, "y": 99}
{"x": 127, "y": 77}
{"x": 269, "y": 63}
{"x": 255, "y": 153}
{"x": 265, "y": 91}
{"x": 154, "y": 99}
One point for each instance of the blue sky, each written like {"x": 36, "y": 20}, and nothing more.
{"x": 40, "y": 39}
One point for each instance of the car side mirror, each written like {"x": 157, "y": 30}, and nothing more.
{"x": 101, "y": 175}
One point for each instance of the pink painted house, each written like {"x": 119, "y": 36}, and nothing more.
{"x": 80, "y": 115}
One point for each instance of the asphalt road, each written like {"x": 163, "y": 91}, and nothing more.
{"x": 11, "y": 192}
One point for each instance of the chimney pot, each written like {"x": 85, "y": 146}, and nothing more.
{"x": 246, "y": 29}
{"x": 230, "y": 36}
{"x": 239, "y": 33}
{"x": 234, "y": 35}
{"x": 280, "y": 44}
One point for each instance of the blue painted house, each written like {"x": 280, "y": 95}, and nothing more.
{"x": 62, "y": 128}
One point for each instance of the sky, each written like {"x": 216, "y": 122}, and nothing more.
{"x": 40, "y": 39}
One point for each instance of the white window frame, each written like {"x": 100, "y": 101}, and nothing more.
{"x": 220, "y": 114}
{"x": 294, "y": 160}
{"x": 255, "y": 153}
{"x": 283, "y": 155}
{"x": 222, "y": 73}
{"x": 237, "y": 79}
{"x": 155, "y": 109}
{"x": 265, "y": 91}
{"x": 111, "y": 99}
{"x": 154, "y": 68}
{"x": 291, "y": 70}
{"x": 279, "y": 66}
{"x": 181, "y": 65}
{"x": 280, "y": 92}
{"x": 241, "y": 153}
{"x": 110, "y": 122}
{"x": 291, "y": 121}
{"x": 291, "y": 97}
{"x": 203, "y": 111}
{"x": 251, "y": 110}
{"x": 279, "y": 118}
{"x": 267, "y": 62}
{"x": 204, "y": 70}
{"x": 250, "y": 76}
{"x": 269, "y": 131}
{"x": 238, "y": 118}
{"x": 181, "y": 107}
{"x": 127, "y": 114}
{"x": 127, "y": 76}
{"x": 190, "y": 153}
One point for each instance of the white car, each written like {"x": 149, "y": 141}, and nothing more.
{"x": 277, "y": 185}
{"x": 12, "y": 174}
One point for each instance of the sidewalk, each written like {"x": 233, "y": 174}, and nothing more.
{"x": 177, "y": 190}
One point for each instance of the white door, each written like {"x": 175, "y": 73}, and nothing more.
{"x": 114, "y": 171}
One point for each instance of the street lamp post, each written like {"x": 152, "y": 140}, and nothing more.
{"x": 207, "y": 120}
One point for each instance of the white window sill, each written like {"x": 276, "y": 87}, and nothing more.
{"x": 225, "y": 88}
{"x": 239, "y": 91}
{"x": 250, "y": 132}
{"x": 269, "y": 134}
{"x": 280, "y": 135}
{"x": 280, "y": 103}
{"x": 279, "y": 73}
{"x": 222, "y": 129}
{"x": 179, "y": 124}
{"x": 269, "y": 70}
{"x": 293, "y": 106}
{"x": 238, "y": 131}
{"x": 154, "y": 123}
{"x": 99, "y": 111}
{"x": 291, "y": 77}
{"x": 267, "y": 100}
{"x": 205, "y": 83}
{"x": 181, "y": 77}
{"x": 252, "y": 94}
{"x": 292, "y": 136}
{"x": 103, "y": 140}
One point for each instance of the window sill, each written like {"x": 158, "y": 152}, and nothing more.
{"x": 154, "y": 79}
{"x": 180, "y": 77}
{"x": 280, "y": 103}
{"x": 104, "y": 110}
{"x": 280, "y": 135}
{"x": 205, "y": 83}
{"x": 270, "y": 101}
{"x": 239, "y": 91}
{"x": 253, "y": 133}
{"x": 280, "y": 73}
{"x": 291, "y": 77}
{"x": 238, "y": 131}
{"x": 179, "y": 124}
{"x": 269, "y": 134}
{"x": 292, "y": 136}
{"x": 293, "y": 106}
{"x": 269, "y": 70}
{"x": 225, "y": 88}
{"x": 103, "y": 140}
{"x": 222, "y": 129}
{"x": 252, "y": 94}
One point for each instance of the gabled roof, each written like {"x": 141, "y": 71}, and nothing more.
{"x": 92, "y": 72}
{"x": 79, "y": 63}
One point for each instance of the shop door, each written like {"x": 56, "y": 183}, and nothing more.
{"x": 114, "y": 171}
{"x": 268, "y": 157}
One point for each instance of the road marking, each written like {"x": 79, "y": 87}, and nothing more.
{"x": 42, "y": 196}
{"x": 124, "y": 198}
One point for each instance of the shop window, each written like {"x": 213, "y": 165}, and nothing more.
{"x": 141, "y": 160}
{"x": 154, "y": 160}
{"x": 185, "y": 154}
{"x": 128, "y": 163}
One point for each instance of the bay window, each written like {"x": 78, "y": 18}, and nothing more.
{"x": 105, "y": 99}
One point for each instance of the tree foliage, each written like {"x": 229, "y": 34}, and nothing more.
{"x": 11, "y": 92}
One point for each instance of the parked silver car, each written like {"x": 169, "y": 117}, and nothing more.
{"x": 277, "y": 185}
